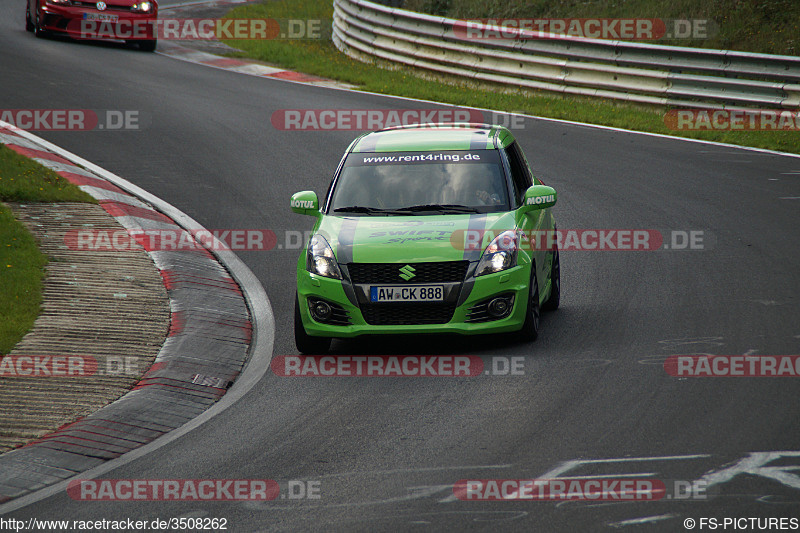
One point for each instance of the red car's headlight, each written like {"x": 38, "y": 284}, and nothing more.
{"x": 60, "y": 2}
{"x": 143, "y": 7}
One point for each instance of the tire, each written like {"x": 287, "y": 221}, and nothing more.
{"x": 148, "y": 46}
{"x": 28, "y": 22}
{"x": 37, "y": 30}
{"x": 530, "y": 329}
{"x": 554, "y": 299}
{"x": 306, "y": 344}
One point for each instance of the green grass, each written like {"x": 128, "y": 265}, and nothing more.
{"x": 22, "y": 265}
{"x": 321, "y": 58}
{"x": 767, "y": 26}
{"x": 25, "y": 180}
{"x": 21, "y": 273}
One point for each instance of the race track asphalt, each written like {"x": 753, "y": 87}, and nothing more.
{"x": 386, "y": 451}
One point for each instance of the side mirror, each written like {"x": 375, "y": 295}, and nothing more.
{"x": 305, "y": 203}
{"x": 539, "y": 197}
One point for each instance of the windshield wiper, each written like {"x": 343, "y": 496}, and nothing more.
{"x": 369, "y": 210}
{"x": 442, "y": 208}
{"x": 455, "y": 208}
{"x": 358, "y": 209}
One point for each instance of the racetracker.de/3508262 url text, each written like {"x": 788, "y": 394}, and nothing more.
{"x": 125, "y": 524}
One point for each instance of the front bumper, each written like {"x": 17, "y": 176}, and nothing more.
{"x": 70, "y": 20}
{"x": 513, "y": 281}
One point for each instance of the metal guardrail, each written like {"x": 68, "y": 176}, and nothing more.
{"x": 635, "y": 72}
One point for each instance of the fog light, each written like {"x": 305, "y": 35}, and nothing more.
{"x": 499, "y": 307}
{"x": 320, "y": 310}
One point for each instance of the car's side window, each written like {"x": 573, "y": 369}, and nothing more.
{"x": 519, "y": 172}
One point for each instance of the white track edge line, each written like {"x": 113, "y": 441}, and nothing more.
{"x": 261, "y": 345}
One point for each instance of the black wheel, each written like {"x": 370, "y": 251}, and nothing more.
{"x": 37, "y": 29}
{"x": 28, "y": 22}
{"x": 148, "y": 46}
{"x": 530, "y": 329}
{"x": 306, "y": 343}
{"x": 554, "y": 299}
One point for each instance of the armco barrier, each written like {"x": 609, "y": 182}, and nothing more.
{"x": 635, "y": 72}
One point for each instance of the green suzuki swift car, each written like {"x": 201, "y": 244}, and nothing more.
{"x": 427, "y": 229}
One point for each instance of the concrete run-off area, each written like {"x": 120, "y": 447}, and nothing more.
{"x": 103, "y": 320}
{"x": 197, "y": 324}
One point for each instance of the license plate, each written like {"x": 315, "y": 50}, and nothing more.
{"x": 101, "y": 17}
{"x": 407, "y": 293}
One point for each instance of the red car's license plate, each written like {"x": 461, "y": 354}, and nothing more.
{"x": 101, "y": 17}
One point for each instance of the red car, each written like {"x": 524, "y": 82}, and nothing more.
{"x": 133, "y": 21}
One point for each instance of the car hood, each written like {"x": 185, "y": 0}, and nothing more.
{"x": 409, "y": 239}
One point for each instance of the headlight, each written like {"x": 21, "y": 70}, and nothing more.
{"x": 59, "y": 2}
{"x": 320, "y": 259}
{"x": 142, "y": 7}
{"x": 501, "y": 254}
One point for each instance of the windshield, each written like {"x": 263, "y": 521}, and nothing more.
{"x": 402, "y": 183}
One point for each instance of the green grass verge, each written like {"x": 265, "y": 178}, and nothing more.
{"x": 25, "y": 180}
{"x": 21, "y": 273}
{"x": 766, "y": 26}
{"x": 321, "y": 58}
{"x": 22, "y": 265}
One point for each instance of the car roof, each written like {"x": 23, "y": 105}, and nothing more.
{"x": 434, "y": 137}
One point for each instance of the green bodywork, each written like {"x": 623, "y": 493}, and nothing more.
{"x": 427, "y": 238}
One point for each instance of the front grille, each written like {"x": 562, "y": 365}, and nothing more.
{"x": 93, "y": 5}
{"x": 407, "y": 313}
{"x": 439, "y": 272}
{"x": 478, "y": 313}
